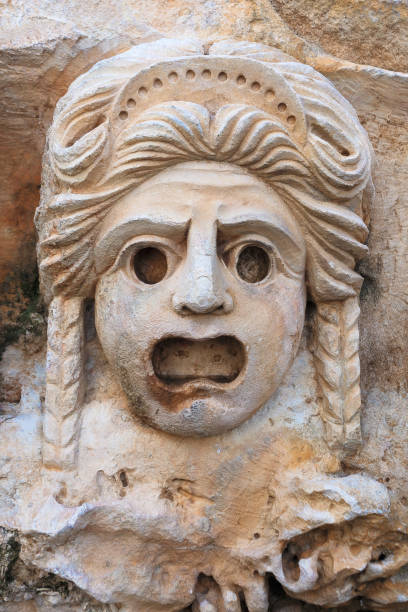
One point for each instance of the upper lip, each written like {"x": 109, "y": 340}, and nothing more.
{"x": 189, "y": 335}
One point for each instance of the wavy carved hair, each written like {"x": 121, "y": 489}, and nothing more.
{"x": 91, "y": 166}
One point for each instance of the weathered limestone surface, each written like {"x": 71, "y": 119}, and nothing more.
{"x": 372, "y": 32}
{"x": 125, "y": 508}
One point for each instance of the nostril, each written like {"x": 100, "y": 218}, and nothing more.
{"x": 190, "y": 310}
{"x": 195, "y": 305}
{"x": 187, "y": 310}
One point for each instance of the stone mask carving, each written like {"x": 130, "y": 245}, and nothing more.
{"x": 200, "y": 196}
{"x": 193, "y": 195}
{"x": 201, "y": 295}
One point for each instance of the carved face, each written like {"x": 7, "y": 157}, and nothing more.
{"x": 201, "y": 296}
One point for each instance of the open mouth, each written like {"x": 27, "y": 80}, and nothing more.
{"x": 180, "y": 360}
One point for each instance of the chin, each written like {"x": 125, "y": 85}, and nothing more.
{"x": 198, "y": 416}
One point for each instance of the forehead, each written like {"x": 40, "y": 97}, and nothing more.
{"x": 209, "y": 178}
{"x": 218, "y": 191}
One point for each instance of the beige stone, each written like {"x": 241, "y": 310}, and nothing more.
{"x": 197, "y": 438}
{"x": 189, "y": 196}
{"x": 373, "y": 33}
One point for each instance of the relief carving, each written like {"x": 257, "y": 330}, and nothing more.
{"x": 200, "y": 196}
{"x": 129, "y": 137}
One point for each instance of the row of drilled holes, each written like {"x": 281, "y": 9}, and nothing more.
{"x": 206, "y": 74}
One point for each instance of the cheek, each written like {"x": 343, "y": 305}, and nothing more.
{"x": 114, "y": 311}
{"x": 275, "y": 321}
{"x": 294, "y": 319}
{"x": 108, "y": 315}
{"x": 124, "y": 313}
{"x": 291, "y": 302}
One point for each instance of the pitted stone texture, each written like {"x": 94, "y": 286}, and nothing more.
{"x": 221, "y": 498}
{"x": 373, "y": 32}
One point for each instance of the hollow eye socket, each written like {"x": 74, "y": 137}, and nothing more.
{"x": 150, "y": 265}
{"x": 253, "y": 264}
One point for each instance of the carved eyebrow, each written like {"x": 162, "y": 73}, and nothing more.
{"x": 111, "y": 242}
{"x": 289, "y": 244}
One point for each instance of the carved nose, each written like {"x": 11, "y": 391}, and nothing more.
{"x": 203, "y": 296}
{"x": 202, "y": 288}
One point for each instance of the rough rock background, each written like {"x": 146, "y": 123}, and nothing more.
{"x": 360, "y": 45}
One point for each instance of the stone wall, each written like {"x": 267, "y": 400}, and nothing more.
{"x": 361, "y": 47}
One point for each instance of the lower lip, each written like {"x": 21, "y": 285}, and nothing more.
{"x": 203, "y": 385}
